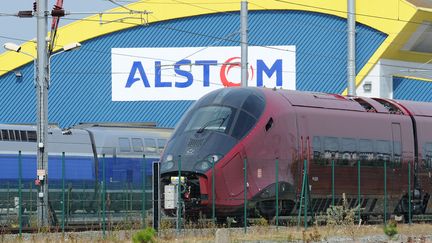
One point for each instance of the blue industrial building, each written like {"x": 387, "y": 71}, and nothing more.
{"x": 80, "y": 89}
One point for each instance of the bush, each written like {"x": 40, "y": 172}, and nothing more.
{"x": 391, "y": 229}
{"x": 145, "y": 236}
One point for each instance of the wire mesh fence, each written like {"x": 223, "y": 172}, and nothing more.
{"x": 118, "y": 193}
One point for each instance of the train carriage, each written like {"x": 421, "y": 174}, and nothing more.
{"x": 122, "y": 148}
{"x": 259, "y": 125}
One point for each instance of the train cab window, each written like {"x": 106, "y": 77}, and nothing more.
{"x": 427, "y": 155}
{"x": 124, "y": 145}
{"x": 331, "y": 148}
{"x": 137, "y": 145}
{"x": 366, "y": 152}
{"x": 161, "y": 145}
{"x": 214, "y": 118}
{"x": 31, "y": 135}
{"x": 5, "y": 135}
{"x": 11, "y": 135}
{"x": 244, "y": 123}
{"x": 348, "y": 149}
{"x": 150, "y": 145}
{"x": 23, "y": 136}
{"x": 254, "y": 105}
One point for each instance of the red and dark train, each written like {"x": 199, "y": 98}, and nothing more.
{"x": 261, "y": 125}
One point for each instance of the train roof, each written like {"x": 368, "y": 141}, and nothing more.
{"x": 417, "y": 108}
{"x": 320, "y": 100}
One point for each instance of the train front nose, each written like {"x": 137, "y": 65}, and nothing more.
{"x": 191, "y": 156}
{"x": 205, "y": 136}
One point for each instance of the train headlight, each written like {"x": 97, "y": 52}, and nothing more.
{"x": 214, "y": 157}
{"x": 169, "y": 157}
{"x": 167, "y": 165}
{"x": 202, "y": 165}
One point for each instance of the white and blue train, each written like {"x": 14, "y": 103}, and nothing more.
{"x": 87, "y": 147}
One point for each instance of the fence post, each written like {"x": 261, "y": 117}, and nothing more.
{"x": 385, "y": 192}
{"x": 306, "y": 193}
{"x": 277, "y": 191}
{"x": 358, "y": 189}
{"x": 103, "y": 195}
{"x": 302, "y": 194}
{"x": 245, "y": 194}
{"x": 144, "y": 191}
{"x": 19, "y": 193}
{"x": 31, "y": 200}
{"x": 409, "y": 192}
{"x": 213, "y": 193}
{"x": 179, "y": 203}
{"x": 8, "y": 202}
{"x": 333, "y": 183}
{"x": 63, "y": 191}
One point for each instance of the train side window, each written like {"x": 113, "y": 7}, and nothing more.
{"x": 161, "y": 145}
{"x": 150, "y": 145}
{"x": 31, "y": 135}
{"x": 137, "y": 145}
{"x": 397, "y": 154}
{"x": 348, "y": 151}
{"x": 17, "y": 135}
{"x": 317, "y": 155}
{"x": 124, "y": 145}
{"x": 383, "y": 152}
{"x": 331, "y": 148}
{"x": 5, "y": 135}
{"x": 23, "y": 136}
{"x": 11, "y": 135}
{"x": 427, "y": 155}
{"x": 366, "y": 153}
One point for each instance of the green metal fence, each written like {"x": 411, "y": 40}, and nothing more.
{"x": 265, "y": 192}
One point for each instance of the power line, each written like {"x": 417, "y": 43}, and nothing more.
{"x": 209, "y": 36}
{"x": 214, "y": 37}
{"x": 346, "y": 12}
{"x": 15, "y": 38}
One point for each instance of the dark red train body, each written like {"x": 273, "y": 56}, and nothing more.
{"x": 261, "y": 125}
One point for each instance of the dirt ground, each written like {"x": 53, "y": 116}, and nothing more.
{"x": 363, "y": 233}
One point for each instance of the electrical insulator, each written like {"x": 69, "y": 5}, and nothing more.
{"x": 34, "y": 6}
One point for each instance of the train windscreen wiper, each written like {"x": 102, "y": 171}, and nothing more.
{"x": 204, "y": 127}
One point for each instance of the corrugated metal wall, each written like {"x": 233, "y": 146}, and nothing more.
{"x": 81, "y": 81}
{"x": 412, "y": 89}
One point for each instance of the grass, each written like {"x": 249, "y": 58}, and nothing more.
{"x": 283, "y": 234}
{"x": 315, "y": 233}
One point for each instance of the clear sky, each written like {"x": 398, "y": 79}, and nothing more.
{"x": 19, "y": 30}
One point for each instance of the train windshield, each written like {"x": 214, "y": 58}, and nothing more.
{"x": 214, "y": 118}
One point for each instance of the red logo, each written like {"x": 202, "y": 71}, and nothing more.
{"x": 227, "y": 66}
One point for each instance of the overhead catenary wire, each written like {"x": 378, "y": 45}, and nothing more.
{"x": 231, "y": 40}
{"x": 236, "y": 42}
{"x": 214, "y": 37}
{"x": 220, "y": 39}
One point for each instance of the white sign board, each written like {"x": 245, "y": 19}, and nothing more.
{"x": 188, "y": 73}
